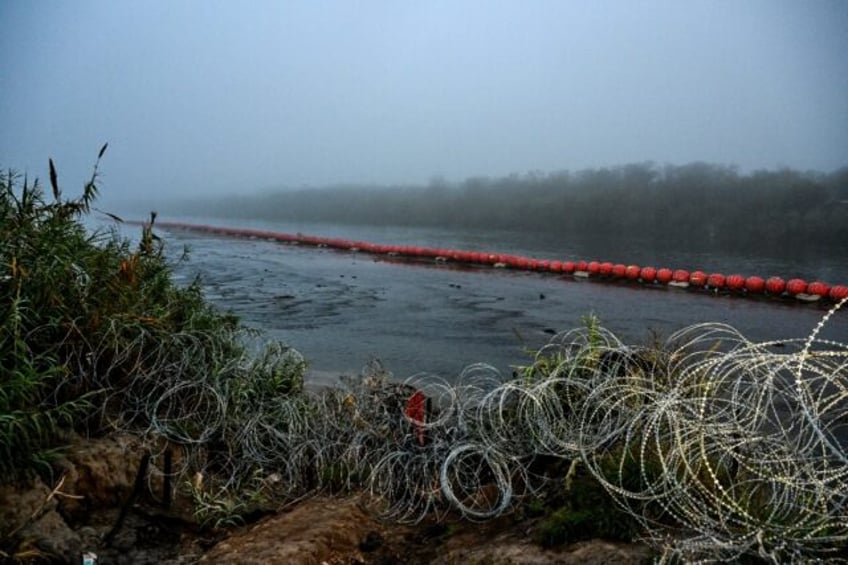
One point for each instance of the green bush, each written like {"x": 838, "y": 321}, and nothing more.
{"x": 94, "y": 333}
{"x": 581, "y": 508}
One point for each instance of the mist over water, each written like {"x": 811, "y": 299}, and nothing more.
{"x": 639, "y": 213}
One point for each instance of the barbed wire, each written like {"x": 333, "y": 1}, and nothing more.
{"x": 717, "y": 446}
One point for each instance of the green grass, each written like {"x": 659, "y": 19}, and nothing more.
{"x": 94, "y": 333}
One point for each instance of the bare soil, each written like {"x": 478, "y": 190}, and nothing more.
{"x": 90, "y": 508}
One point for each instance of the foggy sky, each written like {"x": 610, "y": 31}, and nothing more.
{"x": 214, "y": 97}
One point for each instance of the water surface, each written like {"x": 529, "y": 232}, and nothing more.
{"x": 341, "y": 309}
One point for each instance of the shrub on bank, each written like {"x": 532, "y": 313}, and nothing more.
{"x": 94, "y": 333}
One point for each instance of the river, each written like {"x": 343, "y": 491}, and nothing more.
{"x": 342, "y": 309}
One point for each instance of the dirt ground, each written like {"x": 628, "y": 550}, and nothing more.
{"x": 338, "y": 531}
{"x": 90, "y": 509}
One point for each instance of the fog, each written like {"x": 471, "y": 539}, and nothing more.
{"x": 198, "y": 99}
{"x": 782, "y": 213}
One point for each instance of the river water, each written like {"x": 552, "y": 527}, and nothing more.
{"x": 343, "y": 309}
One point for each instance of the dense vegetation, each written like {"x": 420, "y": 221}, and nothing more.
{"x": 696, "y": 202}
{"x": 92, "y": 327}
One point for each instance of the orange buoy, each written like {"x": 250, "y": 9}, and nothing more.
{"x": 698, "y": 278}
{"x": 775, "y": 285}
{"x": 568, "y": 266}
{"x": 838, "y": 292}
{"x": 581, "y": 266}
{"x": 796, "y": 286}
{"x": 619, "y": 270}
{"x": 755, "y": 284}
{"x": 818, "y": 288}
{"x": 632, "y": 272}
{"x": 605, "y": 268}
{"x": 716, "y": 280}
{"x": 735, "y": 282}
{"x": 593, "y": 267}
{"x": 556, "y": 266}
{"x": 648, "y": 274}
{"x": 680, "y": 275}
{"x": 664, "y": 275}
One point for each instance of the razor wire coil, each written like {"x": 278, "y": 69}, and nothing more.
{"x": 741, "y": 448}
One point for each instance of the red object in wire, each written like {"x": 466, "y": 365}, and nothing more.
{"x": 416, "y": 411}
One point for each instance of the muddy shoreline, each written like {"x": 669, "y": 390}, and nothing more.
{"x": 341, "y": 309}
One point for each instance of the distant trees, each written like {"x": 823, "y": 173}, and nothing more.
{"x": 691, "y": 203}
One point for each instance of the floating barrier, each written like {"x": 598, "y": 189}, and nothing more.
{"x": 716, "y": 280}
{"x": 716, "y": 283}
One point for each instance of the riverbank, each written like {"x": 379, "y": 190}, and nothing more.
{"x": 93, "y": 511}
{"x": 594, "y": 439}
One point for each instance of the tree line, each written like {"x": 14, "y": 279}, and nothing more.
{"x": 694, "y": 202}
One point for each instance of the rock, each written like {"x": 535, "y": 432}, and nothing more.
{"x": 101, "y": 471}
{"x": 603, "y": 552}
{"x": 338, "y": 531}
{"x": 314, "y": 531}
{"x": 507, "y": 552}
{"x": 54, "y": 537}
{"x": 372, "y": 541}
{"x": 18, "y": 502}
{"x": 29, "y": 521}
